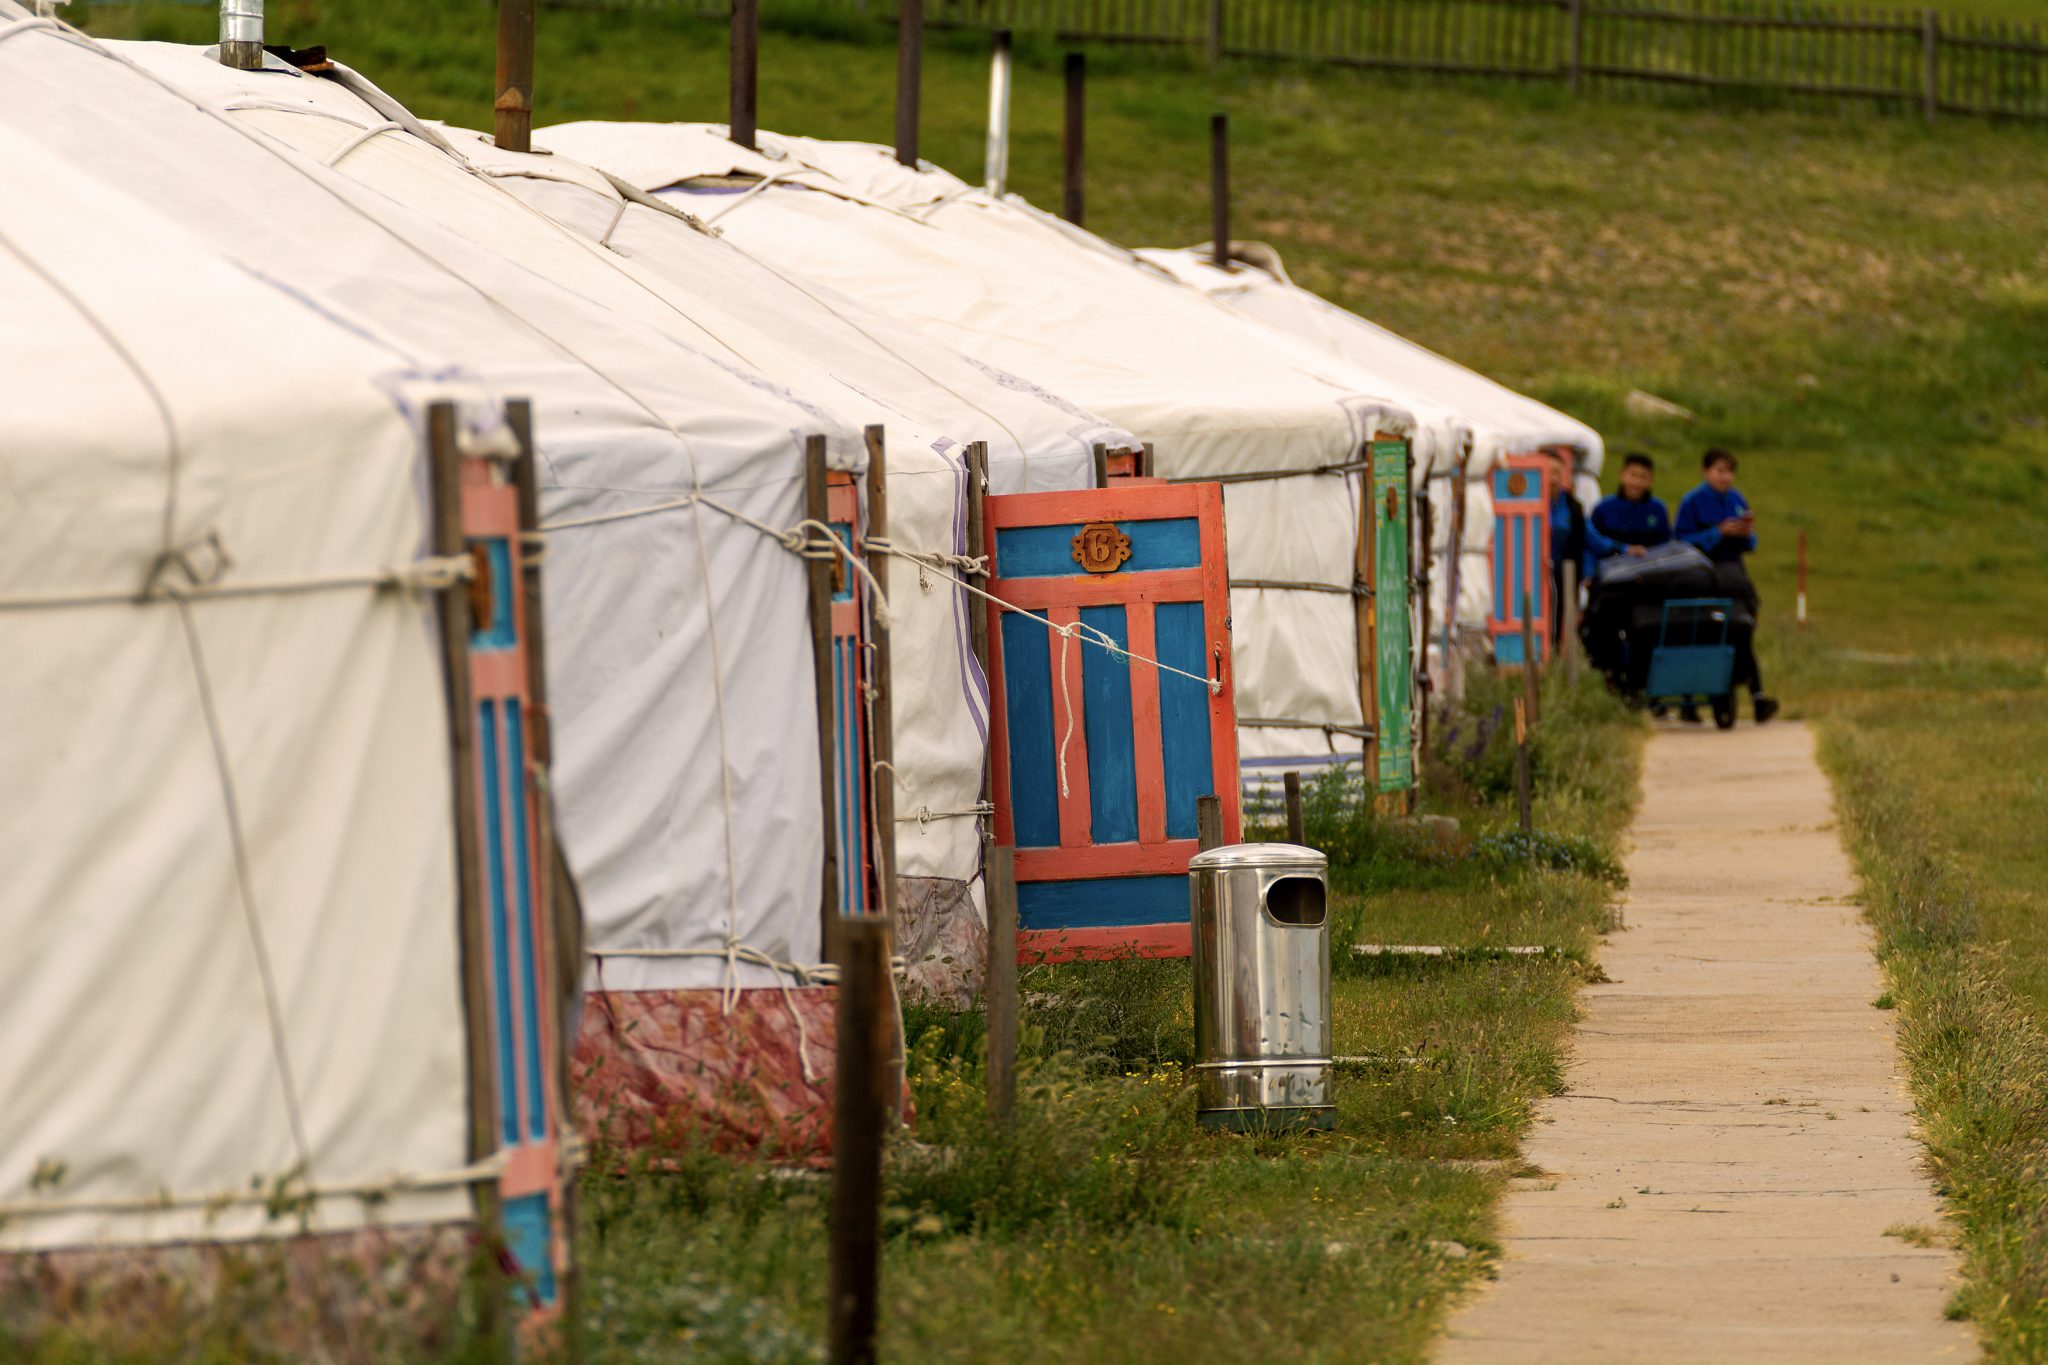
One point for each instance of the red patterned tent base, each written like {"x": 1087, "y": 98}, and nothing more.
{"x": 664, "y": 1070}
{"x": 372, "y": 1294}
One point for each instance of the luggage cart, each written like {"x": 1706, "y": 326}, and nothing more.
{"x": 1694, "y": 658}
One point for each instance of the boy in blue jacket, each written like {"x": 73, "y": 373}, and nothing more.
{"x": 1631, "y": 520}
{"x": 1717, "y": 519}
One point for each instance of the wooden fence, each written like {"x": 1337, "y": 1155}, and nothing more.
{"x": 1916, "y": 60}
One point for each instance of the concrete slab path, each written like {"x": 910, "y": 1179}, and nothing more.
{"x": 1736, "y": 1137}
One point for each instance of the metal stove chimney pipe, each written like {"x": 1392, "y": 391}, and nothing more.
{"x": 1074, "y": 137}
{"x": 241, "y": 34}
{"x": 512, "y": 111}
{"x": 741, "y": 124}
{"x": 996, "y": 160}
{"x": 1219, "y": 190}
{"x": 909, "y": 75}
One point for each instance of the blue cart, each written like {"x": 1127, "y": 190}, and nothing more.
{"x": 1694, "y": 658}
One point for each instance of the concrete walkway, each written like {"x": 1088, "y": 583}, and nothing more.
{"x": 1735, "y": 1138}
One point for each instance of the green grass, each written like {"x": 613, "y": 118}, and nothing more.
{"x": 1104, "y": 1226}
{"x": 1856, "y": 303}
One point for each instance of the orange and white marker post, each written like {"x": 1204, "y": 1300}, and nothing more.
{"x": 1801, "y": 611}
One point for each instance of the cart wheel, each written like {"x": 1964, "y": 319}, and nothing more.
{"x": 1724, "y": 712}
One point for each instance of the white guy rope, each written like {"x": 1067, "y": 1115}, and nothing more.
{"x": 259, "y": 946}
{"x": 383, "y": 1187}
{"x": 430, "y": 574}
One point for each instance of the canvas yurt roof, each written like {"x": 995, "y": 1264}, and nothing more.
{"x": 1216, "y": 395}
{"x": 1498, "y": 420}
{"x": 693, "y": 828}
{"x": 1501, "y": 421}
{"x": 703, "y": 292}
{"x": 230, "y": 899}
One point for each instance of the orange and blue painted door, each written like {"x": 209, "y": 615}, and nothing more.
{"x": 1099, "y": 753}
{"x": 525, "y": 1032}
{"x": 1522, "y": 489}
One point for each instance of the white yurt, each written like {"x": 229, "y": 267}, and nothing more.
{"x": 231, "y": 995}
{"x": 1496, "y": 420}
{"x": 680, "y": 662}
{"x": 1217, "y": 397}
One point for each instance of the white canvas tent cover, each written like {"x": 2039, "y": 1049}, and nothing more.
{"x": 231, "y": 965}
{"x": 1498, "y": 421}
{"x": 680, "y": 662}
{"x": 653, "y": 264}
{"x": 1216, "y": 395}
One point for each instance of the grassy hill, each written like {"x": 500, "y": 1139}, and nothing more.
{"x": 1857, "y": 304}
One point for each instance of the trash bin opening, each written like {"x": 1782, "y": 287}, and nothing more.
{"x": 1296, "y": 900}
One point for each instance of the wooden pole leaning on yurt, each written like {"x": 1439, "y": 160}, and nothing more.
{"x": 909, "y": 74}
{"x": 1365, "y": 624}
{"x": 743, "y": 110}
{"x": 1454, "y": 565}
{"x": 445, "y": 471}
{"x": 866, "y": 1083}
{"x": 557, "y": 892}
{"x": 512, "y": 110}
{"x": 1424, "y": 531}
{"x": 999, "y": 865}
{"x": 1219, "y": 190}
{"x": 1074, "y": 139}
{"x": 817, "y": 508}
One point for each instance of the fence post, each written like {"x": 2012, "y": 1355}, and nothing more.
{"x": 1215, "y": 31}
{"x": 1297, "y": 825}
{"x": 1578, "y": 12}
{"x": 1522, "y": 810}
{"x": 1001, "y": 990}
{"x": 1930, "y": 64}
{"x": 1568, "y": 613}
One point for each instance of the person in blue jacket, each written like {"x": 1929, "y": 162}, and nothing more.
{"x": 1629, "y": 521}
{"x": 1573, "y": 538}
{"x": 1717, "y": 519}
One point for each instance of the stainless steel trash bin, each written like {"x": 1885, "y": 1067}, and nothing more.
{"x": 1262, "y": 986}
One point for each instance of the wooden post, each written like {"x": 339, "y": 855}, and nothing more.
{"x": 1073, "y": 140}
{"x": 445, "y": 463}
{"x": 1215, "y": 32}
{"x": 559, "y": 899}
{"x": 741, "y": 124}
{"x": 1001, "y": 992}
{"x": 1425, "y": 531}
{"x": 1522, "y": 767}
{"x": 1100, "y": 452}
{"x": 860, "y": 1108}
{"x": 1529, "y": 678}
{"x": 1801, "y": 612}
{"x": 1578, "y": 41}
{"x": 1219, "y": 190}
{"x": 1208, "y": 822}
{"x": 817, "y": 508}
{"x": 1568, "y": 641}
{"x": 1297, "y": 826}
{"x": 909, "y": 72}
{"x": 882, "y": 724}
{"x": 1454, "y": 667}
{"x": 513, "y": 108}
{"x": 1930, "y": 64}
{"x": 1365, "y": 619}
{"x": 977, "y": 543}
